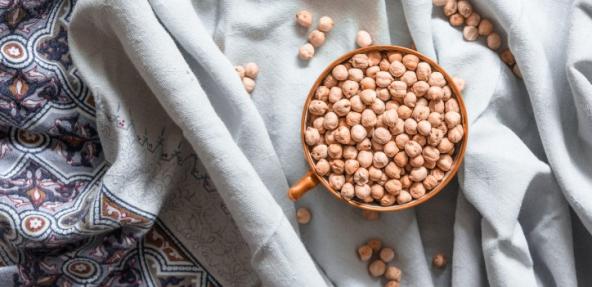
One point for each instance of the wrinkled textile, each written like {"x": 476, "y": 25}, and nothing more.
{"x": 188, "y": 182}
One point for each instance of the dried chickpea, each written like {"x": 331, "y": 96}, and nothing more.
{"x": 365, "y": 253}
{"x": 318, "y": 152}
{"x": 251, "y": 70}
{"x": 392, "y": 170}
{"x": 342, "y": 135}
{"x": 450, "y": 7}
{"x": 423, "y": 71}
{"x": 322, "y": 167}
{"x": 445, "y": 146}
{"x": 306, "y": 52}
{"x": 340, "y": 73}
{"x": 439, "y": 2}
{"x": 303, "y": 215}
{"x": 473, "y": 20}
{"x": 485, "y": 27}
{"x": 304, "y": 18}
{"x": 363, "y": 39}
{"x": 444, "y": 163}
{"x": 378, "y": 107}
{"x": 388, "y": 200}
{"x": 410, "y": 99}
{"x": 368, "y": 118}
{"x": 364, "y": 145}
{"x": 456, "y": 134}
{"x": 350, "y": 88}
{"x": 375, "y": 244}
{"x": 376, "y": 191}
{"x": 398, "y": 89}
{"x": 404, "y": 112}
{"x": 456, "y": 20}
{"x": 249, "y": 84}
{"x": 430, "y": 182}
{"x": 439, "y": 260}
{"x": 316, "y": 38}
{"x": 347, "y": 191}
{"x": 326, "y": 24}
{"x": 383, "y": 79}
{"x": 377, "y": 268}
{"x": 452, "y": 106}
{"x": 359, "y": 61}
{"x": 384, "y": 65}
{"x": 374, "y": 59}
{"x": 420, "y": 88}
{"x": 410, "y": 126}
{"x": 362, "y": 191}
{"x": 401, "y": 140}
{"x": 404, "y": 197}
{"x": 355, "y": 74}
{"x": 374, "y": 174}
{"x": 335, "y": 151}
{"x": 417, "y": 190}
{"x": 397, "y": 68}
{"x": 494, "y": 41}
{"x": 465, "y": 8}
{"x": 368, "y": 96}
{"x": 393, "y": 283}
{"x": 471, "y": 33}
{"x": 381, "y": 135}
{"x": 336, "y": 181}
{"x": 401, "y": 159}
{"x": 507, "y": 57}
{"x": 394, "y": 56}
{"x": 368, "y": 83}
{"x": 387, "y": 254}
{"x": 437, "y": 79}
{"x": 424, "y": 128}
{"x": 380, "y": 159}
{"x": 329, "y": 81}
{"x": 365, "y": 158}
{"x": 398, "y": 128}
{"x": 418, "y": 174}
{"x": 312, "y": 136}
{"x": 410, "y": 61}
{"x": 393, "y": 273}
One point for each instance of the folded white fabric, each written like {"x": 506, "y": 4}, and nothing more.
{"x": 507, "y": 221}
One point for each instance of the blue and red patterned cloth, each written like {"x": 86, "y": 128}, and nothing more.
{"x": 58, "y": 225}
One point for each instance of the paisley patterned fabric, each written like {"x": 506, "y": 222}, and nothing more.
{"x": 59, "y": 225}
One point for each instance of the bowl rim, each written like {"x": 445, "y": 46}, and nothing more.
{"x": 459, "y": 153}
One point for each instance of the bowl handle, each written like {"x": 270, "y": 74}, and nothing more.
{"x": 303, "y": 185}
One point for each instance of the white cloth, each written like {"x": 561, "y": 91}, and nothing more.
{"x": 507, "y": 222}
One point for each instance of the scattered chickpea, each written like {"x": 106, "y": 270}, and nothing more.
{"x": 304, "y": 18}
{"x": 494, "y": 41}
{"x": 456, "y": 20}
{"x": 485, "y": 27}
{"x": 375, "y": 244}
{"x": 393, "y": 273}
{"x": 306, "y": 52}
{"x": 326, "y": 24}
{"x": 377, "y": 268}
{"x": 392, "y": 284}
{"x": 473, "y": 19}
{"x": 471, "y": 33}
{"x": 507, "y": 57}
{"x": 439, "y": 261}
{"x": 249, "y": 84}
{"x": 363, "y": 39}
{"x": 251, "y": 70}
{"x": 303, "y": 215}
{"x": 387, "y": 254}
{"x": 365, "y": 252}
{"x": 316, "y": 38}
{"x": 465, "y": 8}
{"x": 450, "y": 7}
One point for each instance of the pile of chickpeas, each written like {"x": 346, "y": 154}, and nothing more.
{"x": 383, "y": 128}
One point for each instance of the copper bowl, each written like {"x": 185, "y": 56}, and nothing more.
{"x": 311, "y": 179}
